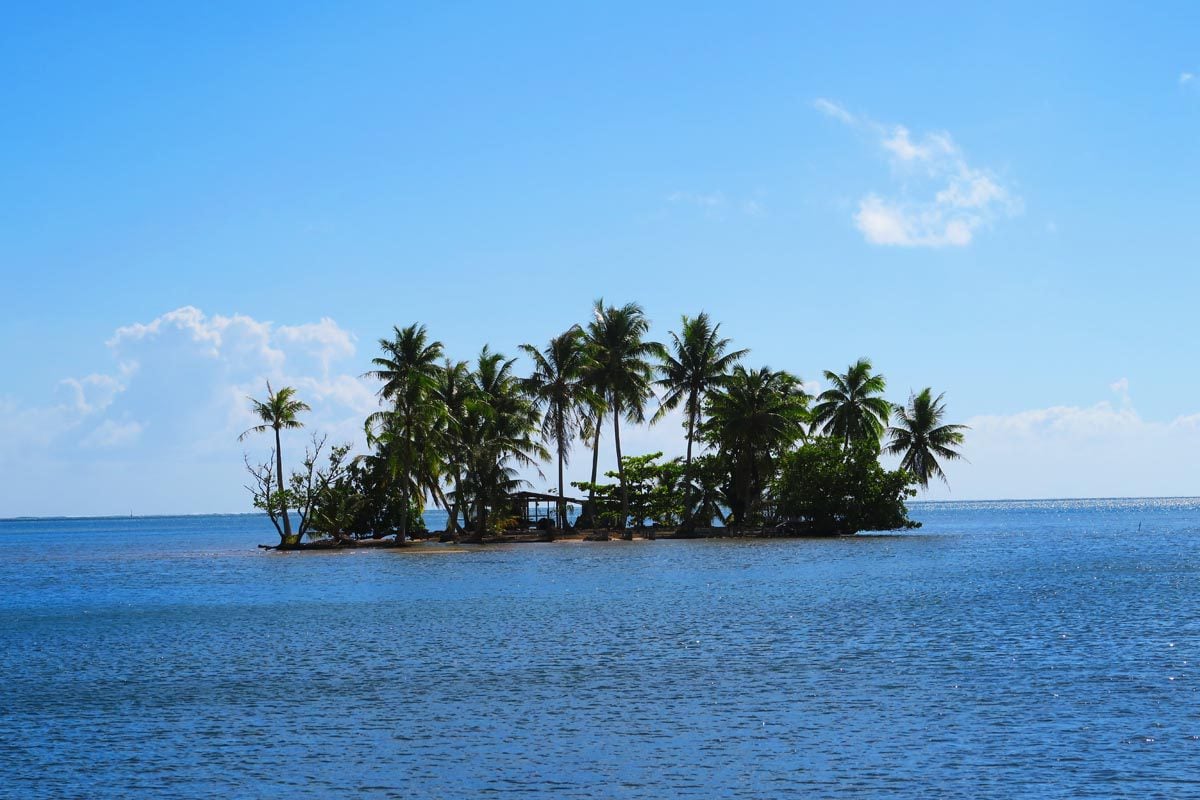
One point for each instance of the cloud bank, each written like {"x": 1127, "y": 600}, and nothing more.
{"x": 1107, "y": 449}
{"x": 157, "y": 430}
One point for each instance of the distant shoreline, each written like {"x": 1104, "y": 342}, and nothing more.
{"x": 66, "y": 517}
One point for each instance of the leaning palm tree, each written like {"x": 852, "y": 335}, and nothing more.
{"x": 409, "y": 370}
{"x": 696, "y": 362}
{"x": 622, "y": 370}
{"x": 921, "y": 437}
{"x": 559, "y": 387}
{"x": 852, "y": 409}
{"x": 278, "y": 413}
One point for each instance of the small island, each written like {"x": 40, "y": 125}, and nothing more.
{"x": 763, "y": 455}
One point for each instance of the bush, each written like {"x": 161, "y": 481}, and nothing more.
{"x": 822, "y": 488}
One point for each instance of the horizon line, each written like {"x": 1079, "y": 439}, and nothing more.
{"x": 50, "y": 517}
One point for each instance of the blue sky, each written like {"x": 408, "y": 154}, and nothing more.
{"x": 1000, "y": 203}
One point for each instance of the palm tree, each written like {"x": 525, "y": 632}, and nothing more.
{"x": 852, "y": 409}
{"x": 278, "y": 413}
{"x": 589, "y": 433}
{"x": 752, "y": 419}
{"x": 622, "y": 371}
{"x": 409, "y": 370}
{"x": 696, "y": 363}
{"x": 922, "y": 438}
{"x": 497, "y": 431}
{"x": 453, "y": 391}
{"x": 559, "y": 386}
{"x": 408, "y": 466}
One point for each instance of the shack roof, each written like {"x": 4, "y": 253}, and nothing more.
{"x": 531, "y": 497}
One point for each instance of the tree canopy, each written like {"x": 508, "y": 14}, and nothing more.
{"x": 461, "y": 434}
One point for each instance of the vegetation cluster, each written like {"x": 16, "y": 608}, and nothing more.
{"x": 761, "y": 453}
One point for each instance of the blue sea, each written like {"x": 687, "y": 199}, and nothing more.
{"x": 1004, "y": 650}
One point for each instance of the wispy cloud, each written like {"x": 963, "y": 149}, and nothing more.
{"x": 110, "y": 434}
{"x": 832, "y": 109}
{"x": 938, "y": 198}
{"x": 716, "y": 203}
{"x": 1120, "y": 388}
{"x": 1186, "y": 77}
{"x": 699, "y": 199}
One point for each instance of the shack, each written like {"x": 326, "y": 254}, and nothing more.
{"x": 536, "y": 510}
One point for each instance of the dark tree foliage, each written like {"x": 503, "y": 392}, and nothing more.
{"x": 457, "y": 434}
{"x": 656, "y": 493}
{"x": 753, "y": 418}
{"x": 824, "y": 487}
{"x": 603, "y": 509}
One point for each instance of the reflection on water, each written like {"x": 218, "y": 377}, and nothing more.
{"x": 1042, "y": 649}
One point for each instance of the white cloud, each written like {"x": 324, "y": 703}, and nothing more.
{"x": 113, "y": 434}
{"x": 93, "y": 393}
{"x": 704, "y": 200}
{"x": 1120, "y": 388}
{"x": 832, "y": 109}
{"x": 324, "y": 340}
{"x": 175, "y": 393}
{"x": 940, "y": 199}
{"x": 1186, "y": 77}
{"x": 1102, "y": 450}
{"x": 900, "y": 144}
{"x": 716, "y": 204}
{"x": 238, "y": 337}
{"x": 887, "y": 223}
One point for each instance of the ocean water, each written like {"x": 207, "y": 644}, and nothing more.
{"x": 1008, "y": 649}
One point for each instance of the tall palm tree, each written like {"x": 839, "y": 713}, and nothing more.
{"x": 922, "y": 438}
{"x": 589, "y": 432}
{"x": 407, "y": 467}
{"x": 454, "y": 389}
{"x": 498, "y": 430}
{"x": 409, "y": 370}
{"x": 593, "y": 417}
{"x": 852, "y": 409}
{"x": 277, "y": 413}
{"x": 696, "y": 362}
{"x": 752, "y": 418}
{"x": 622, "y": 370}
{"x": 559, "y": 385}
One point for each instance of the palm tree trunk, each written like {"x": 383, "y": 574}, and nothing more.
{"x": 620, "y": 467}
{"x": 689, "y": 520}
{"x": 562, "y": 504}
{"x": 687, "y": 463}
{"x": 755, "y": 489}
{"x": 402, "y": 534}
{"x": 561, "y": 435}
{"x": 595, "y": 468}
{"x": 287, "y": 523}
{"x": 457, "y": 502}
{"x": 480, "y": 519}
{"x": 406, "y": 443}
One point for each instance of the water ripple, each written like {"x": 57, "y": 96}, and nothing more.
{"x": 1035, "y": 649}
